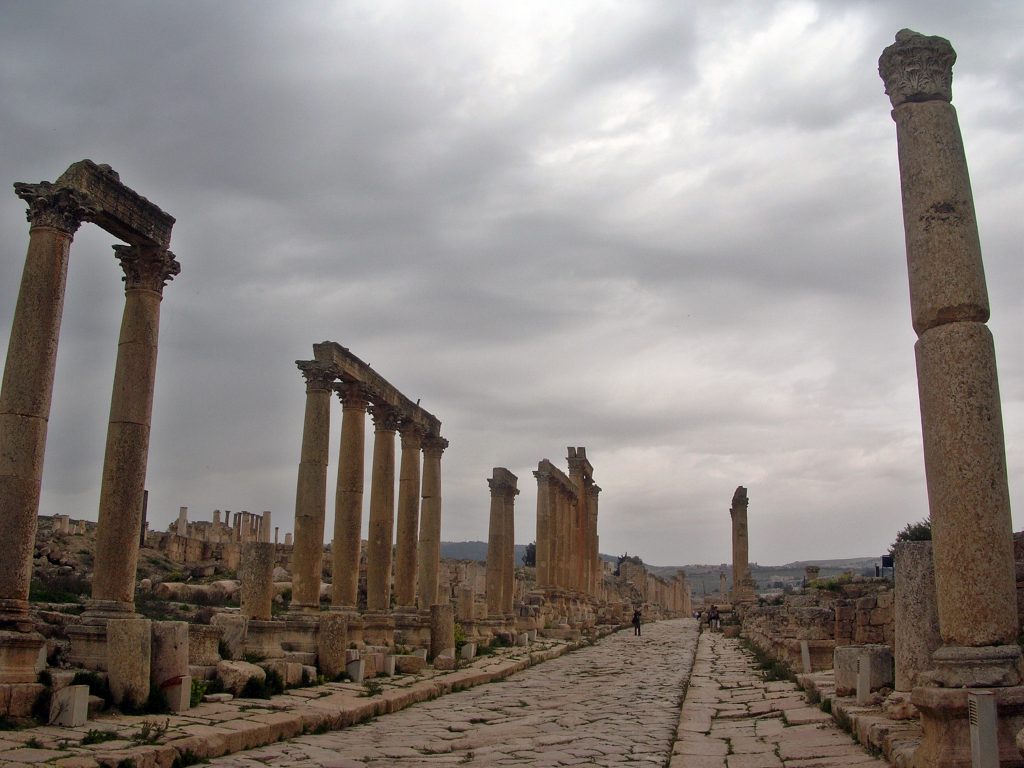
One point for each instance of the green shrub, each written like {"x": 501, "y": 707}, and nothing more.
{"x": 94, "y": 736}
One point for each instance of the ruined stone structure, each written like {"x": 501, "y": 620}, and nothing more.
{"x": 501, "y": 544}
{"x": 961, "y": 419}
{"x": 215, "y": 540}
{"x": 85, "y": 192}
{"x": 743, "y": 588}
{"x": 360, "y": 388}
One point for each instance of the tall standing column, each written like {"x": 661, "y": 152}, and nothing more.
{"x": 54, "y": 215}
{"x": 348, "y": 503}
{"x": 311, "y": 489}
{"x": 594, "y": 553}
{"x": 741, "y": 588}
{"x": 961, "y": 419}
{"x": 382, "y": 508}
{"x": 494, "y": 582}
{"x": 508, "y": 558}
{"x": 408, "y": 516}
{"x": 543, "y": 549}
{"x": 430, "y": 521}
{"x": 146, "y": 272}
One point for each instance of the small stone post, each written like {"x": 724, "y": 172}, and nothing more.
{"x": 442, "y": 630}
{"x": 332, "y": 643}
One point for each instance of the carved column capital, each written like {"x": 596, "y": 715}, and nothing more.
{"x": 317, "y": 375}
{"x": 593, "y": 490}
{"x": 412, "y": 435}
{"x": 57, "y": 207}
{"x": 434, "y": 444}
{"x": 917, "y": 68}
{"x": 353, "y": 395}
{"x": 146, "y": 268}
{"x": 386, "y": 418}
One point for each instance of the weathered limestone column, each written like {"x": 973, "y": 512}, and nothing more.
{"x": 508, "y": 558}
{"x": 442, "y": 629}
{"x": 348, "y": 504}
{"x": 741, "y": 589}
{"x": 594, "y": 554}
{"x": 146, "y": 272}
{"x": 961, "y": 419}
{"x": 408, "y": 517}
{"x": 545, "y": 503}
{"x": 256, "y": 577}
{"x": 311, "y": 489}
{"x": 382, "y": 508}
{"x": 265, "y": 527}
{"x": 915, "y": 612}
{"x": 500, "y": 575}
{"x": 54, "y": 216}
{"x": 430, "y": 521}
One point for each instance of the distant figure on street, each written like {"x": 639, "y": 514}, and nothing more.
{"x": 714, "y": 621}
{"x": 636, "y": 622}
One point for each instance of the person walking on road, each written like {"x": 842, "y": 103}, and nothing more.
{"x": 714, "y": 620}
{"x": 636, "y": 622}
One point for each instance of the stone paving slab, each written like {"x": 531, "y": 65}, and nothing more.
{"x": 751, "y": 723}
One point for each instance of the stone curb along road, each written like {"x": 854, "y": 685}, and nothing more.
{"x": 215, "y": 729}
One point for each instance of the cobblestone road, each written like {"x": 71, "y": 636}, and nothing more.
{"x": 615, "y": 703}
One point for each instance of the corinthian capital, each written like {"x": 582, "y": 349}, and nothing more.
{"x": 434, "y": 444}
{"x": 57, "y": 207}
{"x": 386, "y": 418}
{"x": 353, "y": 395}
{"x": 148, "y": 268}
{"x": 412, "y": 435}
{"x": 917, "y": 68}
{"x": 318, "y": 376}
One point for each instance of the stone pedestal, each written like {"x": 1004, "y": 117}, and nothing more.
{"x": 945, "y": 727}
{"x": 169, "y": 665}
{"x": 332, "y": 642}
{"x": 129, "y": 644}
{"x": 378, "y": 629}
{"x": 19, "y": 656}
{"x": 442, "y": 630}
{"x": 204, "y": 645}
{"x": 88, "y": 646}
{"x": 263, "y": 639}
{"x": 256, "y": 575}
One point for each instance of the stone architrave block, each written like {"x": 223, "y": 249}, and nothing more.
{"x": 846, "y": 662}
{"x": 331, "y": 643}
{"x": 129, "y": 648}
{"x": 69, "y": 707}
{"x": 234, "y": 628}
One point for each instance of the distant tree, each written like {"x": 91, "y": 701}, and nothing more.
{"x": 919, "y": 531}
{"x": 626, "y": 558}
{"x": 530, "y": 555}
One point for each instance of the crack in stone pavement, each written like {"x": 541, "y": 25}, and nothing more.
{"x": 616, "y": 702}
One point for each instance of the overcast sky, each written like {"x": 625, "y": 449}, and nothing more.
{"x": 667, "y": 231}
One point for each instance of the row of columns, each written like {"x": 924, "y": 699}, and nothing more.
{"x": 55, "y": 214}
{"x": 418, "y": 503}
{"x": 501, "y": 549}
{"x": 567, "y": 541}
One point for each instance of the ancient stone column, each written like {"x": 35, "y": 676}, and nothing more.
{"x": 311, "y": 489}
{"x": 54, "y": 215}
{"x": 500, "y": 574}
{"x": 442, "y": 629}
{"x": 408, "y": 517}
{"x": 382, "y": 508}
{"x": 593, "y": 554}
{"x": 256, "y": 577}
{"x": 146, "y": 272}
{"x": 348, "y": 504}
{"x": 741, "y": 588}
{"x": 265, "y": 526}
{"x": 508, "y": 558}
{"x": 543, "y": 552}
{"x": 961, "y": 419}
{"x": 430, "y": 521}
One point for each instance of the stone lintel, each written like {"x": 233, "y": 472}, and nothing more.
{"x": 349, "y": 368}
{"x": 546, "y": 471}
{"x": 119, "y": 210}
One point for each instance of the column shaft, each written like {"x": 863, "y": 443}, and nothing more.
{"x": 131, "y": 408}
{"x": 542, "y": 551}
{"x": 382, "y": 509}
{"x": 508, "y": 558}
{"x": 348, "y": 504}
{"x": 430, "y": 521}
{"x": 494, "y": 577}
{"x": 408, "y": 517}
{"x": 311, "y": 489}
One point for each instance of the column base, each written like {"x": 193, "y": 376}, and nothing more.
{"x": 946, "y": 729}
{"x": 263, "y": 638}
{"x": 965, "y": 667}
{"x": 88, "y": 645}
{"x": 19, "y": 656}
{"x": 298, "y": 632}
{"x": 378, "y": 628}
{"x": 100, "y": 611}
{"x": 412, "y": 628}
{"x": 14, "y": 616}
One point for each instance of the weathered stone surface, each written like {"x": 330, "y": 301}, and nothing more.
{"x": 129, "y": 646}
{"x": 69, "y": 706}
{"x": 847, "y": 663}
{"x": 332, "y": 642}
{"x": 169, "y": 660}
{"x": 235, "y": 674}
{"x": 255, "y": 572}
{"x": 233, "y": 630}
{"x": 408, "y": 664}
{"x": 442, "y": 628}
{"x": 916, "y": 612}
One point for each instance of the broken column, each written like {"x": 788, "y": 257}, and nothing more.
{"x": 961, "y": 419}
{"x": 256, "y": 578}
{"x": 311, "y": 489}
{"x": 169, "y": 671}
{"x": 742, "y": 587}
{"x": 915, "y": 614}
{"x": 442, "y": 630}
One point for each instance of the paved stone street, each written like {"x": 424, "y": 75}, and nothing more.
{"x": 610, "y": 704}
{"x": 732, "y": 718}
